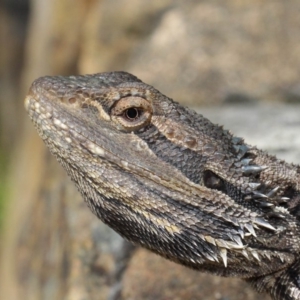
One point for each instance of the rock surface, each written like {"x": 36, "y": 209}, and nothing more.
{"x": 150, "y": 277}
{"x": 199, "y": 51}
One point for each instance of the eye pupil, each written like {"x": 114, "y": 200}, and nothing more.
{"x": 132, "y": 113}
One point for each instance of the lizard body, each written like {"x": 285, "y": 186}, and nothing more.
{"x": 166, "y": 178}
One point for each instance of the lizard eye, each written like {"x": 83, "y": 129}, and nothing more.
{"x": 131, "y": 113}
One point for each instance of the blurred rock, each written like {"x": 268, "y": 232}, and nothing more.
{"x": 292, "y": 95}
{"x": 239, "y": 98}
{"x": 202, "y": 51}
{"x": 114, "y": 29}
{"x": 150, "y": 277}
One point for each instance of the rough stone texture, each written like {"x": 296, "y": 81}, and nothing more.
{"x": 150, "y": 277}
{"x": 198, "y": 51}
{"x": 114, "y": 29}
{"x": 211, "y": 49}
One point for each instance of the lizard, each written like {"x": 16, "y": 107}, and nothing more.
{"x": 166, "y": 178}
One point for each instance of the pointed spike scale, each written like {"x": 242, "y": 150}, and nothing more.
{"x": 263, "y": 223}
{"x": 253, "y": 169}
{"x": 273, "y": 192}
{"x": 246, "y": 161}
{"x": 238, "y": 240}
{"x": 245, "y": 253}
{"x": 267, "y": 254}
{"x": 254, "y": 185}
{"x": 250, "y": 228}
{"x": 241, "y": 233}
{"x": 259, "y": 195}
{"x": 223, "y": 254}
{"x": 255, "y": 255}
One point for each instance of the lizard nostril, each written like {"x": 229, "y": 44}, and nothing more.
{"x": 72, "y": 100}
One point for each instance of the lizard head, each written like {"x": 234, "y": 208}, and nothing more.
{"x": 161, "y": 175}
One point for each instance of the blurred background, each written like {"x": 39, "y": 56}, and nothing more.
{"x": 235, "y": 61}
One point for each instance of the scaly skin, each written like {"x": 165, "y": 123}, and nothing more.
{"x": 166, "y": 178}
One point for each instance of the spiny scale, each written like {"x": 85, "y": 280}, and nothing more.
{"x": 253, "y": 169}
{"x": 223, "y": 254}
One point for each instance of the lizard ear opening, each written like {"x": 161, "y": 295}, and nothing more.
{"x": 213, "y": 181}
{"x": 131, "y": 113}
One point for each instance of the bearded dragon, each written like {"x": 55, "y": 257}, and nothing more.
{"x": 166, "y": 178}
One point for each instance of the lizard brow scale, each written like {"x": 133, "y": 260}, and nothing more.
{"x": 166, "y": 178}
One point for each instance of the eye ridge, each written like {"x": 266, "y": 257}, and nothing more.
{"x": 132, "y": 113}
